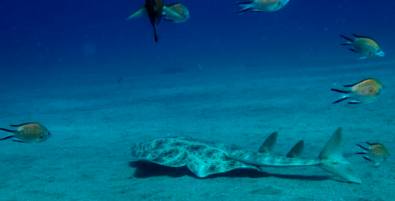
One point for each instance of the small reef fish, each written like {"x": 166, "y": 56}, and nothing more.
{"x": 28, "y": 133}
{"x": 376, "y": 152}
{"x": 365, "y": 91}
{"x": 262, "y": 5}
{"x": 154, "y": 10}
{"x": 176, "y": 13}
{"x": 365, "y": 46}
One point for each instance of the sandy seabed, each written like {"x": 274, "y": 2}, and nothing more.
{"x": 94, "y": 122}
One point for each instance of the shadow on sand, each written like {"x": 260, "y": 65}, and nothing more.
{"x": 146, "y": 170}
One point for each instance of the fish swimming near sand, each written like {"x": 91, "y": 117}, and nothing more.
{"x": 376, "y": 152}
{"x": 207, "y": 158}
{"x": 364, "y": 45}
{"x": 27, "y": 133}
{"x": 177, "y": 13}
{"x": 154, "y": 10}
{"x": 363, "y": 92}
{"x": 262, "y": 5}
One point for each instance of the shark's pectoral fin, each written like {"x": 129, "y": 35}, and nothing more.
{"x": 142, "y": 12}
{"x": 203, "y": 168}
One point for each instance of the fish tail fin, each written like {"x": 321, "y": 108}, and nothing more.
{"x": 332, "y": 160}
{"x": 367, "y": 158}
{"x": 362, "y": 147}
{"x": 7, "y": 130}
{"x": 245, "y": 6}
{"x": 342, "y": 98}
{"x": 156, "y": 32}
{"x": 341, "y": 91}
{"x": 347, "y": 38}
{"x": 142, "y": 12}
{"x": 7, "y": 136}
{"x": 346, "y": 43}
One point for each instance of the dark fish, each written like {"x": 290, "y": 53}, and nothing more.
{"x": 154, "y": 10}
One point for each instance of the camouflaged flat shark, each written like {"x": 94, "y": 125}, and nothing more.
{"x": 206, "y": 158}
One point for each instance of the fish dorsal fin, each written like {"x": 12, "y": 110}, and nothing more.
{"x": 347, "y": 38}
{"x": 19, "y": 125}
{"x": 296, "y": 150}
{"x": 142, "y": 12}
{"x": 269, "y": 143}
{"x": 351, "y": 85}
{"x": 359, "y": 36}
{"x": 172, "y": 4}
{"x": 372, "y": 144}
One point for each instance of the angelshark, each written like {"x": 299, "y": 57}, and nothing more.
{"x": 206, "y": 158}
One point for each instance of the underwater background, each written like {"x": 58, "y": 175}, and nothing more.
{"x": 74, "y": 37}
{"x": 101, "y": 84}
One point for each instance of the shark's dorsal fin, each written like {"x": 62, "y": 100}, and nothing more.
{"x": 269, "y": 143}
{"x": 296, "y": 150}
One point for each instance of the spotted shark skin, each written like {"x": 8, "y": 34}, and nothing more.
{"x": 207, "y": 158}
{"x": 202, "y": 158}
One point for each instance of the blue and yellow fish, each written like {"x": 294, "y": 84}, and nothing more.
{"x": 28, "y": 133}
{"x": 176, "y": 13}
{"x": 262, "y": 5}
{"x": 365, "y": 91}
{"x": 376, "y": 152}
{"x": 365, "y": 46}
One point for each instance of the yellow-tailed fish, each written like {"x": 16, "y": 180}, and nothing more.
{"x": 376, "y": 152}
{"x": 365, "y": 46}
{"x": 154, "y": 10}
{"x": 28, "y": 133}
{"x": 262, "y": 5}
{"x": 176, "y": 13}
{"x": 365, "y": 91}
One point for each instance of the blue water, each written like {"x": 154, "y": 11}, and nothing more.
{"x": 219, "y": 76}
{"x": 74, "y": 37}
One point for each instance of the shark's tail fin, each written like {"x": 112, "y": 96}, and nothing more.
{"x": 332, "y": 159}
